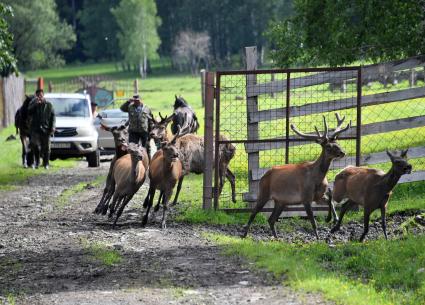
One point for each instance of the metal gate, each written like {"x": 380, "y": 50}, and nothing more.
{"x": 254, "y": 110}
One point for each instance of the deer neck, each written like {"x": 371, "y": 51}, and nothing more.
{"x": 390, "y": 179}
{"x": 134, "y": 170}
{"x": 321, "y": 165}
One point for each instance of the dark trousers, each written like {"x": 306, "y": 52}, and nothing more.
{"x": 40, "y": 145}
{"x": 140, "y": 138}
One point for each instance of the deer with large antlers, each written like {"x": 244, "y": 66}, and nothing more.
{"x": 370, "y": 188}
{"x": 302, "y": 183}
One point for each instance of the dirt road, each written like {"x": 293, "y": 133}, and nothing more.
{"x": 49, "y": 254}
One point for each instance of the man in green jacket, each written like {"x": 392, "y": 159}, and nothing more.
{"x": 140, "y": 123}
{"x": 42, "y": 127}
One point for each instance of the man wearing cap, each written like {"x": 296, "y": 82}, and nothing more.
{"x": 139, "y": 122}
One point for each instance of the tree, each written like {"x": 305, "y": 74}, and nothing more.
{"x": 138, "y": 37}
{"x": 7, "y": 58}
{"x": 39, "y": 36}
{"x": 338, "y": 32}
{"x": 99, "y": 30}
{"x": 191, "y": 48}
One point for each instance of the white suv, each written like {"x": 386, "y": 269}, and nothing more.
{"x": 75, "y": 133}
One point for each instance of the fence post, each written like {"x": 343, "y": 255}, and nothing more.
{"x": 40, "y": 83}
{"x": 50, "y": 86}
{"x": 203, "y": 76}
{"x": 136, "y": 86}
{"x": 208, "y": 141}
{"x": 251, "y": 107}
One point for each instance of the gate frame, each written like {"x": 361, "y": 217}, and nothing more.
{"x": 209, "y": 100}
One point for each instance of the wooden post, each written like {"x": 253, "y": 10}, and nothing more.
{"x": 40, "y": 83}
{"x": 252, "y": 106}
{"x": 203, "y": 80}
{"x": 208, "y": 141}
{"x": 136, "y": 86}
{"x": 50, "y": 86}
{"x": 412, "y": 78}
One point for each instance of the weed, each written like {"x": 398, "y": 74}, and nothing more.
{"x": 102, "y": 253}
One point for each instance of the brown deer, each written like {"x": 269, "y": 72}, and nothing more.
{"x": 299, "y": 183}
{"x": 120, "y": 134}
{"x": 164, "y": 171}
{"x": 370, "y": 188}
{"x": 191, "y": 147}
{"x": 129, "y": 173}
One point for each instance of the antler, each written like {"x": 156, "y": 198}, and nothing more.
{"x": 338, "y": 128}
{"x": 310, "y": 136}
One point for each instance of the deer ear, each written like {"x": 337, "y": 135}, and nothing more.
{"x": 390, "y": 155}
{"x": 163, "y": 144}
{"x": 404, "y": 154}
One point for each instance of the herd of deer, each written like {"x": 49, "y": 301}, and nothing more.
{"x": 291, "y": 184}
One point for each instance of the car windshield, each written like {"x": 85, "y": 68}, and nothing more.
{"x": 70, "y": 107}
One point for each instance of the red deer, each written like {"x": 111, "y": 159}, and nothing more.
{"x": 370, "y": 188}
{"x": 120, "y": 134}
{"x": 191, "y": 147}
{"x": 299, "y": 183}
{"x": 164, "y": 171}
{"x": 129, "y": 173}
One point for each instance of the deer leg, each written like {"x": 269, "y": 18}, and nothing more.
{"x": 310, "y": 215}
{"x": 231, "y": 177}
{"x": 331, "y": 211}
{"x": 179, "y": 186}
{"x": 347, "y": 205}
{"x": 121, "y": 209}
{"x": 115, "y": 203}
{"x": 165, "y": 199}
{"x": 383, "y": 221}
{"x": 261, "y": 202}
{"x": 366, "y": 224}
{"x": 149, "y": 202}
{"x": 110, "y": 184}
{"x": 278, "y": 208}
{"x": 161, "y": 195}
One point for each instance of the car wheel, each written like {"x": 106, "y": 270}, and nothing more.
{"x": 94, "y": 158}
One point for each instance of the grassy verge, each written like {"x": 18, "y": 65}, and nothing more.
{"x": 64, "y": 198}
{"x": 373, "y": 273}
{"x": 11, "y": 171}
{"x": 101, "y": 253}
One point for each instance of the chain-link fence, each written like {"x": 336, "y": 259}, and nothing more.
{"x": 254, "y": 110}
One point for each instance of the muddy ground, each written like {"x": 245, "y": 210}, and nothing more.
{"x": 46, "y": 254}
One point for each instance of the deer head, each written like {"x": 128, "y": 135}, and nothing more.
{"x": 400, "y": 164}
{"x": 120, "y": 134}
{"x": 136, "y": 151}
{"x": 331, "y": 148}
{"x": 159, "y": 129}
{"x": 171, "y": 152}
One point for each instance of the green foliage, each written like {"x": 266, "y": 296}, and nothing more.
{"x": 7, "y": 58}
{"x": 378, "y": 272}
{"x": 341, "y": 32}
{"x": 39, "y": 36}
{"x": 138, "y": 37}
{"x": 11, "y": 171}
{"x": 99, "y": 33}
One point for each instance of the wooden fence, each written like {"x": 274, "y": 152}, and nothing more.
{"x": 391, "y": 72}
{"x": 12, "y": 94}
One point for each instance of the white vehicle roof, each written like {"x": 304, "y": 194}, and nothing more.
{"x": 67, "y": 95}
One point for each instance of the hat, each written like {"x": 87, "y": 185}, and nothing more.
{"x": 136, "y": 97}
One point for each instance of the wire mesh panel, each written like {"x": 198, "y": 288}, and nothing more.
{"x": 254, "y": 112}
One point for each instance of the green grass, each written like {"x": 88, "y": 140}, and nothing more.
{"x": 378, "y": 272}
{"x": 11, "y": 171}
{"x": 64, "y": 198}
{"x": 101, "y": 253}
